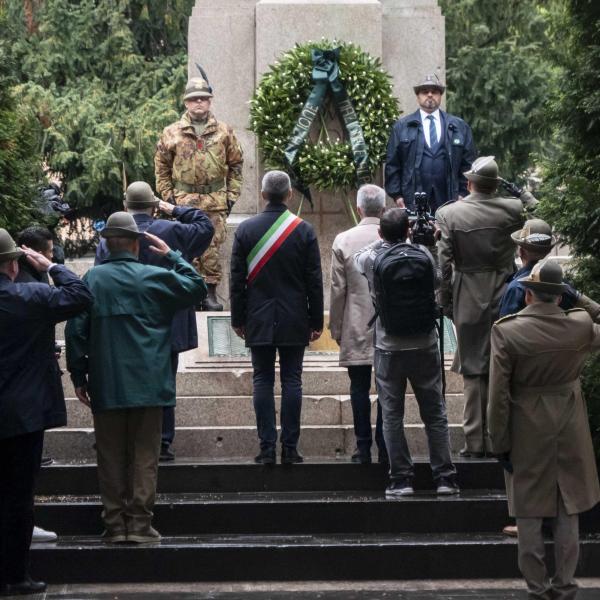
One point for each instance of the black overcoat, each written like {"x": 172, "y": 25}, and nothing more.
{"x": 285, "y": 301}
{"x": 191, "y": 234}
{"x": 31, "y": 394}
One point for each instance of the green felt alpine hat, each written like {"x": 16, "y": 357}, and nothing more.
{"x": 139, "y": 194}
{"x": 121, "y": 224}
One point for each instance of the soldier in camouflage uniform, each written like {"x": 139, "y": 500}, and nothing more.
{"x": 198, "y": 162}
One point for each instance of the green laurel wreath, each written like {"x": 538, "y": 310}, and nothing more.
{"x": 277, "y": 102}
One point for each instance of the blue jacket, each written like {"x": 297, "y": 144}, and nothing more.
{"x": 31, "y": 394}
{"x": 405, "y": 152}
{"x": 285, "y": 301}
{"x": 191, "y": 235}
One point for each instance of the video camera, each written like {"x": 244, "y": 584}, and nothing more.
{"x": 421, "y": 221}
{"x": 50, "y": 206}
{"x": 51, "y": 197}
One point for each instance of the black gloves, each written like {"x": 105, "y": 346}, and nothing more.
{"x": 230, "y": 204}
{"x": 511, "y": 188}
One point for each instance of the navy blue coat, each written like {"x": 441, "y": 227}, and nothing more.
{"x": 405, "y": 152}
{"x": 191, "y": 234}
{"x": 31, "y": 394}
{"x": 285, "y": 300}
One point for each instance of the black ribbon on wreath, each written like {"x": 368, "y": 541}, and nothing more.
{"x": 326, "y": 76}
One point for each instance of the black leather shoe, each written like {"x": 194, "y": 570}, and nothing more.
{"x": 23, "y": 588}
{"x": 210, "y": 303}
{"x": 362, "y": 458}
{"x": 46, "y": 461}
{"x": 290, "y": 456}
{"x": 166, "y": 454}
{"x": 265, "y": 457}
{"x": 464, "y": 453}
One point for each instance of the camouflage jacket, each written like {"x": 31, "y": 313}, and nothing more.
{"x": 191, "y": 167}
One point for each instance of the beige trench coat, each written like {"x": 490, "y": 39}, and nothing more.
{"x": 350, "y": 307}
{"x": 536, "y": 411}
{"x": 476, "y": 256}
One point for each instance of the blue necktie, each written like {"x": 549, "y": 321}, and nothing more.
{"x": 432, "y": 132}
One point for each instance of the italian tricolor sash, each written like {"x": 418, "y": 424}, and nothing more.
{"x": 270, "y": 242}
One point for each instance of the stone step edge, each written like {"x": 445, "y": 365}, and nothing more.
{"x": 348, "y": 427}
{"x": 280, "y": 497}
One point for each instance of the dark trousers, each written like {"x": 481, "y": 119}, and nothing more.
{"x": 290, "y": 363}
{"x": 20, "y": 458}
{"x": 360, "y": 387}
{"x": 422, "y": 368}
{"x": 168, "y": 424}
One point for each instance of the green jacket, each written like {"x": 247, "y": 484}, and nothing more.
{"x": 121, "y": 347}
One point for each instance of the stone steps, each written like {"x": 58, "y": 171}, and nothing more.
{"x": 238, "y": 411}
{"x": 233, "y": 380}
{"x": 243, "y": 557}
{"x": 322, "y": 441}
{"x": 313, "y": 521}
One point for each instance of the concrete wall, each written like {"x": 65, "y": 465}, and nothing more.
{"x": 236, "y": 40}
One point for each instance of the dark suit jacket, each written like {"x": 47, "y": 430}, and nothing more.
{"x": 31, "y": 394}
{"x": 191, "y": 234}
{"x": 405, "y": 152}
{"x": 285, "y": 301}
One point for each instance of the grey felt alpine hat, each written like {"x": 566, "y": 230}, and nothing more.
{"x": 8, "y": 248}
{"x": 547, "y": 277}
{"x": 430, "y": 80}
{"x": 536, "y": 235}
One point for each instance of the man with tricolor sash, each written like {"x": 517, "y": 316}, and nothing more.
{"x": 276, "y": 307}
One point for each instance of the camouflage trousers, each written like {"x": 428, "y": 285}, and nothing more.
{"x": 209, "y": 264}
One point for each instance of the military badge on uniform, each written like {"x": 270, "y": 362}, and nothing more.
{"x": 456, "y": 141}
{"x": 200, "y": 144}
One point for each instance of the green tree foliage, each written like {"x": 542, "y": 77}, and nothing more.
{"x": 104, "y": 77}
{"x": 572, "y": 175}
{"x": 497, "y": 75}
{"x": 20, "y": 169}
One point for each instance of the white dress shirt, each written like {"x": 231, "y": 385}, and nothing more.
{"x": 438, "y": 124}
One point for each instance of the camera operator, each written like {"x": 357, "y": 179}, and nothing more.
{"x": 52, "y": 210}
{"x": 476, "y": 256}
{"x": 402, "y": 280}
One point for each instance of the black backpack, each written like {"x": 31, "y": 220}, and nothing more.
{"x": 403, "y": 283}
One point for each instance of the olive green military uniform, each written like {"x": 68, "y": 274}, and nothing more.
{"x": 200, "y": 165}
{"x": 476, "y": 256}
{"x": 538, "y": 416}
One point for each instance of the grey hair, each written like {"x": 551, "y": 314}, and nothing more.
{"x": 276, "y": 185}
{"x": 371, "y": 200}
{"x": 545, "y": 296}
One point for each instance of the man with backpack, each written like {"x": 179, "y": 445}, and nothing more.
{"x": 402, "y": 279}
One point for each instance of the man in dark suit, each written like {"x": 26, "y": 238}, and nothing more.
{"x": 276, "y": 305}
{"x": 31, "y": 396}
{"x": 191, "y": 235}
{"x": 428, "y": 151}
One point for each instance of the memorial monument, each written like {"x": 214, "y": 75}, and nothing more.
{"x": 237, "y": 40}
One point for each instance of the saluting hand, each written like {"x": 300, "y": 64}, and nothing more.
{"x": 166, "y": 207}
{"x": 38, "y": 261}
{"x": 158, "y": 246}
